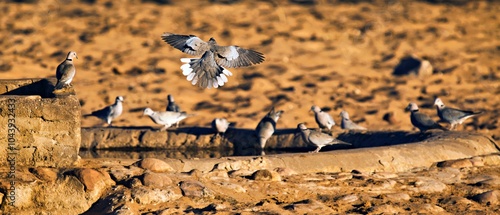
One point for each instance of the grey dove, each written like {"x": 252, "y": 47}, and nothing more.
{"x": 451, "y": 115}
{"x": 208, "y": 71}
{"x": 317, "y": 138}
{"x": 422, "y": 121}
{"x": 109, "y": 113}
{"x": 165, "y": 118}
{"x": 220, "y": 125}
{"x": 66, "y": 71}
{"x": 266, "y": 127}
{"x": 347, "y": 124}
{"x": 323, "y": 119}
{"x": 171, "y": 105}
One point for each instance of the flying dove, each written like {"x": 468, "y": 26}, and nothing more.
{"x": 422, "y": 121}
{"x": 323, "y": 119}
{"x": 267, "y": 126}
{"x": 165, "y": 118}
{"x": 451, "y": 115}
{"x": 317, "y": 138}
{"x": 347, "y": 124}
{"x": 109, "y": 113}
{"x": 172, "y": 106}
{"x": 208, "y": 71}
{"x": 65, "y": 72}
{"x": 220, "y": 125}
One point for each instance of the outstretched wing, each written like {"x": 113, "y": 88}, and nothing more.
{"x": 189, "y": 44}
{"x": 234, "y": 56}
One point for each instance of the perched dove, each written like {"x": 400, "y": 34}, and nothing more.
{"x": 109, "y": 113}
{"x": 347, "y": 124}
{"x": 323, "y": 119}
{"x": 317, "y": 138}
{"x": 165, "y": 118}
{"x": 422, "y": 121}
{"x": 172, "y": 106}
{"x": 267, "y": 126}
{"x": 220, "y": 125}
{"x": 451, "y": 115}
{"x": 208, "y": 71}
{"x": 65, "y": 72}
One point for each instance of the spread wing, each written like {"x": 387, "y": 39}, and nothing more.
{"x": 234, "y": 56}
{"x": 189, "y": 44}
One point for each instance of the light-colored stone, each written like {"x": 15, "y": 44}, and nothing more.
{"x": 147, "y": 196}
{"x": 384, "y": 175}
{"x": 192, "y": 188}
{"x": 93, "y": 179}
{"x": 349, "y": 198}
{"x": 428, "y": 185}
{"x": 44, "y": 173}
{"x": 157, "y": 180}
{"x": 217, "y": 174}
{"x": 284, "y": 171}
{"x": 448, "y": 175}
{"x": 490, "y": 197}
{"x": 431, "y": 209}
{"x": 397, "y": 197}
{"x": 155, "y": 165}
{"x": 265, "y": 175}
{"x": 121, "y": 173}
{"x": 460, "y": 163}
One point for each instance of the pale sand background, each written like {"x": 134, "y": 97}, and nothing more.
{"x": 339, "y": 56}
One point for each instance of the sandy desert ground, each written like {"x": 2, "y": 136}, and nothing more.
{"x": 336, "y": 54}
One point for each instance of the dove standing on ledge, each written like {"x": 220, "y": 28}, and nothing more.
{"x": 317, "y": 138}
{"x": 266, "y": 127}
{"x": 347, "y": 124}
{"x": 451, "y": 115}
{"x": 323, "y": 119}
{"x": 422, "y": 121}
{"x": 109, "y": 113}
{"x": 208, "y": 71}
{"x": 65, "y": 72}
{"x": 165, "y": 118}
{"x": 220, "y": 125}
{"x": 171, "y": 105}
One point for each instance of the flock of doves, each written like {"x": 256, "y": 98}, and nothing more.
{"x": 209, "y": 71}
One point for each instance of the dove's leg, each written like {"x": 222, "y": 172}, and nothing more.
{"x": 317, "y": 149}
{"x": 164, "y": 128}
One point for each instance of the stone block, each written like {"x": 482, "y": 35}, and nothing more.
{"x": 38, "y": 127}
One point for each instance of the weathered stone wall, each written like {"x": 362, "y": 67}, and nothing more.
{"x": 37, "y": 127}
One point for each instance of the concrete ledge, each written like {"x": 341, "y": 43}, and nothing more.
{"x": 378, "y": 152}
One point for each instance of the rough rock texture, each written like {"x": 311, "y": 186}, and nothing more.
{"x": 47, "y": 126}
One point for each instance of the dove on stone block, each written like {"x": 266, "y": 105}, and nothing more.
{"x": 422, "y": 121}
{"x": 347, "y": 124}
{"x": 323, "y": 119}
{"x": 66, "y": 71}
{"x": 165, "y": 118}
{"x": 266, "y": 127}
{"x": 317, "y": 138}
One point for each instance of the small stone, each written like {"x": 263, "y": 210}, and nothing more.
{"x": 397, "y": 197}
{"x": 122, "y": 173}
{"x": 158, "y": 180}
{"x": 477, "y": 161}
{"x": 448, "y": 175}
{"x": 192, "y": 188}
{"x": 155, "y": 165}
{"x": 265, "y": 175}
{"x": 46, "y": 174}
{"x": 284, "y": 171}
{"x": 349, "y": 198}
{"x": 491, "y": 197}
{"x": 148, "y": 196}
{"x": 384, "y": 175}
{"x": 234, "y": 187}
{"x": 428, "y": 185}
{"x": 217, "y": 173}
{"x": 92, "y": 179}
{"x": 461, "y": 163}
{"x": 431, "y": 209}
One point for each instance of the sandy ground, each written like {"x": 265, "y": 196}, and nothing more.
{"x": 337, "y": 55}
